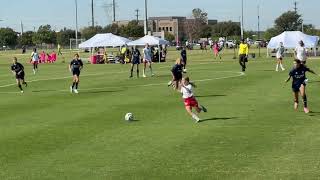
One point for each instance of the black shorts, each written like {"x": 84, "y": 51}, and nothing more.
{"x": 243, "y": 58}
{"x": 184, "y": 60}
{"x": 177, "y": 77}
{"x": 76, "y": 72}
{"x": 136, "y": 61}
{"x": 20, "y": 76}
{"x": 296, "y": 87}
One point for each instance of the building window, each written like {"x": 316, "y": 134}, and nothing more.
{"x": 163, "y": 28}
{"x": 159, "y": 28}
{"x": 167, "y": 28}
{"x": 170, "y": 29}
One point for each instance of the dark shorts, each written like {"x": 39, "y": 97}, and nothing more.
{"x": 136, "y": 61}
{"x": 177, "y": 77}
{"x": 243, "y": 58}
{"x": 184, "y": 60}
{"x": 296, "y": 87}
{"x": 76, "y": 72}
{"x": 20, "y": 76}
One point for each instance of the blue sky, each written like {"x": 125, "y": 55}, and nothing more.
{"x": 60, "y": 13}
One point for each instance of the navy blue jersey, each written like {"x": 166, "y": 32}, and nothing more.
{"x": 76, "y": 65}
{"x": 136, "y": 55}
{"x": 298, "y": 75}
{"x": 17, "y": 67}
{"x": 184, "y": 54}
{"x": 177, "y": 69}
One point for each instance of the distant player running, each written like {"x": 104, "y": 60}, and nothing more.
{"x": 190, "y": 101}
{"x": 18, "y": 70}
{"x": 136, "y": 56}
{"x": 298, "y": 74}
{"x": 176, "y": 72}
{"x": 280, "y": 55}
{"x": 35, "y": 60}
{"x": 184, "y": 59}
{"x": 147, "y": 59}
{"x": 75, "y": 68}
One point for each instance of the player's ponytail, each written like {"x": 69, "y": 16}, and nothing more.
{"x": 187, "y": 79}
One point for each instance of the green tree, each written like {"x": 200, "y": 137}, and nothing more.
{"x": 64, "y": 36}
{"x": 44, "y": 35}
{"x": 26, "y": 38}
{"x": 169, "y": 37}
{"x": 112, "y": 28}
{"x": 8, "y": 37}
{"x": 226, "y": 29}
{"x": 288, "y": 21}
{"x": 206, "y": 31}
{"x": 271, "y": 32}
{"x": 195, "y": 25}
{"x": 133, "y": 29}
{"x": 89, "y": 32}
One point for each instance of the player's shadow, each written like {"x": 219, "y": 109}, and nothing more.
{"x": 100, "y": 91}
{"x": 314, "y": 113}
{"x": 135, "y": 120}
{"x": 211, "y": 95}
{"x": 219, "y": 119}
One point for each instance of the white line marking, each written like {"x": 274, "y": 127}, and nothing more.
{"x": 142, "y": 85}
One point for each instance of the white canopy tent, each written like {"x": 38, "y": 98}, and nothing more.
{"x": 290, "y": 39}
{"x": 151, "y": 40}
{"x": 104, "y": 40}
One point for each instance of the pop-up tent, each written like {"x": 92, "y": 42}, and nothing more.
{"x": 104, "y": 40}
{"x": 290, "y": 39}
{"x": 151, "y": 40}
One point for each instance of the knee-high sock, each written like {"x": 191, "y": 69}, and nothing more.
{"x": 305, "y": 101}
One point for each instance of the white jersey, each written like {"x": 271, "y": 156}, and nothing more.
{"x": 301, "y": 53}
{"x": 280, "y": 52}
{"x": 187, "y": 91}
{"x": 35, "y": 57}
{"x": 147, "y": 54}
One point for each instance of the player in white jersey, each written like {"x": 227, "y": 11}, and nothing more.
{"x": 147, "y": 59}
{"x": 186, "y": 88}
{"x": 301, "y": 52}
{"x": 35, "y": 60}
{"x": 280, "y": 55}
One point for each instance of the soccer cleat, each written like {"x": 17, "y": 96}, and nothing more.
{"x": 306, "y": 110}
{"x": 169, "y": 83}
{"x": 144, "y": 76}
{"x": 76, "y": 91}
{"x": 152, "y": 74}
{"x": 22, "y": 91}
{"x": 131, "y": 76}
{"x": 71, "y": 89}
{"x": 25, "y": 84}
{"x": 283, "y": 69}
{"x": 184, "y": 71}
{"x": 204, "y": 109}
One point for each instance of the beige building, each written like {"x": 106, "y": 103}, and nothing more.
{"x": 171, "y": 24}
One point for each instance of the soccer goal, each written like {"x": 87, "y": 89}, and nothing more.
{"x": 74, "y": 43}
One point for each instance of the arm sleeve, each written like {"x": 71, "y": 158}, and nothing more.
{"x": 12, "y": 69}
{"x": 81, "y": 63}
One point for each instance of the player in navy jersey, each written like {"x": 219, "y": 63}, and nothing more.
{"x": 136, "y": 56}
{"x": 298, "y": 75}
{"x": 176, "y": 72}
{"x": 184, "y": 59}
{"x": 18, "y": 70}
{"x": 75, "y": 68}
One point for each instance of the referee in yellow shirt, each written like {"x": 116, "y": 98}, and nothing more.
{"x": 243, "y": 54}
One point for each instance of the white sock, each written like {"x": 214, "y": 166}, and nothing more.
{"x": 281, "y": 67}
{"x": 195, "y": 117}
{"x": 277, "y": 68}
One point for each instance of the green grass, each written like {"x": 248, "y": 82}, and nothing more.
{"x": 250, "y": 131}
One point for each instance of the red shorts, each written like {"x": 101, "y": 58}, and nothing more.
{"x": 191, "y": 101}
{"x": 34, "y": 62}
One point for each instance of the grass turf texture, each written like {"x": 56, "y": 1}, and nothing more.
{"x": 250, "y": 131}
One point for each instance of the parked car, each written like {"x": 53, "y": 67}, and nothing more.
{"x": 230, "y": 44}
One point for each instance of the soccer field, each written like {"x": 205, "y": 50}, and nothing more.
{"x": 249, "y": 132}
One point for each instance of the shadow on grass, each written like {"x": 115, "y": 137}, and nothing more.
{"x": 134, "y": 121}
{"x": 100, "y": 91}
{"x": 213, "y": 95}
{"x": 314, "y": 113}
{"x": 219, "y": 119}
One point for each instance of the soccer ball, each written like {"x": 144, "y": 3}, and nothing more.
{"x": 128, "y": 117}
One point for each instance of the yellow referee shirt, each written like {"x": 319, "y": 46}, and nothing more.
{"x": 244, "y": 49}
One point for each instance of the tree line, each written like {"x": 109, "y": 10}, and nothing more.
{"x": 196, "y": 27}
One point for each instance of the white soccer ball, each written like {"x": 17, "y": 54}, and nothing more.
{"x": 128, "y": 117}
